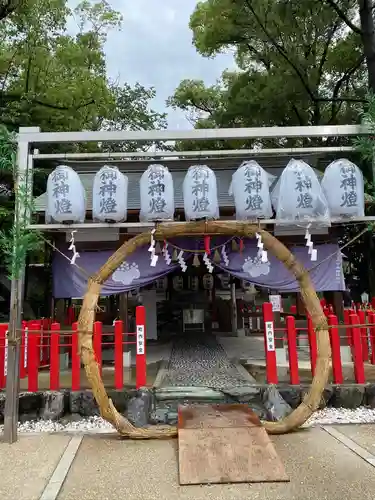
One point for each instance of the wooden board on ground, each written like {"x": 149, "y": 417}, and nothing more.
{"x": 225, "y": 444}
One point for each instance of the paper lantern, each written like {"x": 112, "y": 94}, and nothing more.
{"x": 200, "y": 193}
{"x": 66, "y": 197}
{"x": 109, "y": 195}
{"x": 157, "y": 194}
{"x": 250, "y": 189}
{"x": 298, "y": 197}
{"x": 343, "y": 187}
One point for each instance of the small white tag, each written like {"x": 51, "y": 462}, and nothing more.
{"x": 151, "y": 247}
{"x": 154, "y": 260}
{"x": 314, "y": 254}
{"x": 270, "y": 336}
{"x": 264, "y": 256}
{"x": 260, "y": 245}
{"x": 310, "y": 249}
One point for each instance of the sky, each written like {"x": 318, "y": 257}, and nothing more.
{"x": 155, "y": 49}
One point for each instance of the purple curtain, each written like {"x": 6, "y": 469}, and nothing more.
{"x": 136, "y": 272}
{"x": 326, "y": 273}
{"x": 69, "y": 281}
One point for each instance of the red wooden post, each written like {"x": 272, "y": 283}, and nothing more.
{"x": 3, "y": 331}
{"x": 336, "y": 352}
{"x": 312, "y": 344}
{"x": 364, "y": 339}
{"x": 37, "y": 326}
{"x": 348, "y": 329}
{"x": 24, "y": 348}
{"x": 371, "y": 320}
{"x": 140, "y": 360}
{"x": 98, "y": 335}
{"x": 33, "y": 356}
{"x": 292, "y": 349}
{"x": 119, "y": 358}
{"x": 76, "y": 360}
{"x": 359, "y": 369}
{"x": 54, "y": 373}
{"x": 269, "y": 344}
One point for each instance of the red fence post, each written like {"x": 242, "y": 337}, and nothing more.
{"x": 269, "y": 344}
{"x": 312, "y": 344}
{"x": 119, "y": 358}
{"x": 292, "y": 349}
{"x": 336, "y": 352}
{"x": 37, "y": 326}
{"x": 98, "y": 335}
{"x": 347, "y": 323}
{"x": 33, "y": 356}
{"x": 140, "y": 361}
{"x": 3, "y": 331}
{"x": 76, "y": 360}
{"x": 54, "y": 373}
{"x": 359, "y": 369}
{"x": 364, "y": 339}
{"x": 371, "y": 320}
{"x": 24, "y": 348}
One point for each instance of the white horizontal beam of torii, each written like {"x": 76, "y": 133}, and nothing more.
{"x": 33, "y": 135}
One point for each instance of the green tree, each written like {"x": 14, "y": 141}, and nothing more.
{"x": 298, "y": 64}
{"x": 58, "y": 81}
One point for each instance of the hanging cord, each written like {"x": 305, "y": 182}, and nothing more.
{"x": 83, "y": 271}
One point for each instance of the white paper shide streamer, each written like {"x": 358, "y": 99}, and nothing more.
{"x": 313, "y": 252}
{"x": 167, "y": 255}
{"x": 181, "y": 261}
{"x": 224, "y": 256}
{"x": 72, "y": 248}
{"x": 154, "y": 257}
{"x": 208, "y": 263}
{"x": 261, "y": 252}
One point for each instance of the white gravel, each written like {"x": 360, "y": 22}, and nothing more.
{"x": 328, "y": 416}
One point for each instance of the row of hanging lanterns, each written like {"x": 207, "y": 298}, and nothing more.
{"x": 298, "y": 195}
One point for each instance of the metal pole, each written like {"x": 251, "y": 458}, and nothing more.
{"x": 23, "y": 183}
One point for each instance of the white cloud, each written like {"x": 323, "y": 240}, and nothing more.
{"x": 155, "y": 48}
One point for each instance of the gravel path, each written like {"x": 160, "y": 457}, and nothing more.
{"x": 200, "y": 361}
{"x": 328, "y": 416}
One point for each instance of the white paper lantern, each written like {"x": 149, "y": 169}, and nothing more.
{"x": 298, "y": 197}
{"x": 200, "y": 193}
{"x": 343, "y": 187}
{"x": 109, "y": 195}
{"x": 250, "y": 188}
{"x": 66, "y": 197}
{"x": 157, "y": 194}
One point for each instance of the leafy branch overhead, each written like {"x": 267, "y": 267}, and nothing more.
{"x": 298, "y": 63}
{"x": 58, "y": 81}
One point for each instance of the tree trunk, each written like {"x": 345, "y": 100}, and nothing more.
{"x": 368, "y": 38}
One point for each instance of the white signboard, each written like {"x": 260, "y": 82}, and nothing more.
{"x": 6, "y": 354}
{"x": 270, "y": 337}
{"x": 26, "y": 346}
{"x": 276, "y": 303}
{"x": 140, "y": 339}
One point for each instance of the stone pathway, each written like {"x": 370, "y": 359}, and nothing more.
{"x": 200, "y": 361}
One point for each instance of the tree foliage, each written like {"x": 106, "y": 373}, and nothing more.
{"x": 298, "y": 64}
{"x": 57, "y": 80}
